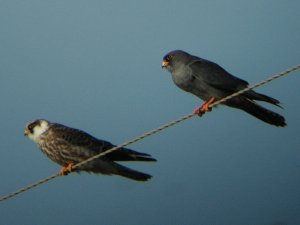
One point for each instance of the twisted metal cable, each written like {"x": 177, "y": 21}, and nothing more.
{"x": 143, "y": 136}
{"x": 152, "y": 132}
{"x": 276, "y": 76}
{"x": 30, "y": 186}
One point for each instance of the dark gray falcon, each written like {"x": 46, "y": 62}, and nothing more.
{"x": 210, "y": 82}
{"x": 68, "y": 146}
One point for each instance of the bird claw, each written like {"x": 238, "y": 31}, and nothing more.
{"x": 198, "y": 112}
{"x": 205, "y": 107}
{"x": 66, "y": 170}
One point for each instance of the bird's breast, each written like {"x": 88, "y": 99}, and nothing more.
{"x": 190, "y": 83}
{"x": 182, "y": 80}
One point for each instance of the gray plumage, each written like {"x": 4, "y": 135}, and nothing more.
{"x": 65, "y": 145}
{"x": 206, "y": 79}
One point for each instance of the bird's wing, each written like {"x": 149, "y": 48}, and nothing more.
{"x": 214, "y": 75}
{"x": 84, "y": 145}
{"x": 79, "y": 139}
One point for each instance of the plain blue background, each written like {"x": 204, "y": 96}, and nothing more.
{"x": 96, "y": 65}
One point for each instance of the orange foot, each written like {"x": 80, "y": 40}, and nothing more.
{"x": 66, "y": 169}
{"x": 205, "y": 107}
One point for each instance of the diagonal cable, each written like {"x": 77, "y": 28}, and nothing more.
{"x": 274, "y": 77}
{"x": 152, "y": 132}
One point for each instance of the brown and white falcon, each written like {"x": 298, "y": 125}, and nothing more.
{"x": 68, "y": 146}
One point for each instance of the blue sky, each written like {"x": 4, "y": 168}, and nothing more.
{"x": 97, "y": 66}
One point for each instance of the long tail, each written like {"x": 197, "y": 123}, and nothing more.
{"x": 258, "y": 111}
{"x": 111, "y": 168}
{"x": 132, "y": 174}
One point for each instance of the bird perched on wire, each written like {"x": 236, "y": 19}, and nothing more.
{"x": 68, "y": 146}
{"x": 210, "y": 82}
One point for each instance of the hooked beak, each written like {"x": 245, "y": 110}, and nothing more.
{"x": 164, "y": 63}
{"x": 26, "y": 132}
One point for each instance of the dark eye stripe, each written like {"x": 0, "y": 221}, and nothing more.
{"x": 32, "y": 125}
{"x": 167, "y": 57}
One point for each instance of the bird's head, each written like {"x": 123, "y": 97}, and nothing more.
{"x": 175, "y": 59}
{"x": 36, "y": 128}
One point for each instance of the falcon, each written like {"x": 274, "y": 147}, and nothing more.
{"x": 210, "y": 82}
{"x": 68, "y": 146}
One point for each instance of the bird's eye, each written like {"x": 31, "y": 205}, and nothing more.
{"x": 31, "y": 126}
{"x": 168, "y": 58}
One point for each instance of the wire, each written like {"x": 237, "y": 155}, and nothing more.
{"x": 145, "y": 135}
{"x": 274, "y": 77}
{"x": 152, "y": 132}
{"x": 29, "y": 187}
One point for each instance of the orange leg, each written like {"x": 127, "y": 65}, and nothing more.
{"x": 205, "y": 107}
{"x": 66, "y": 169}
